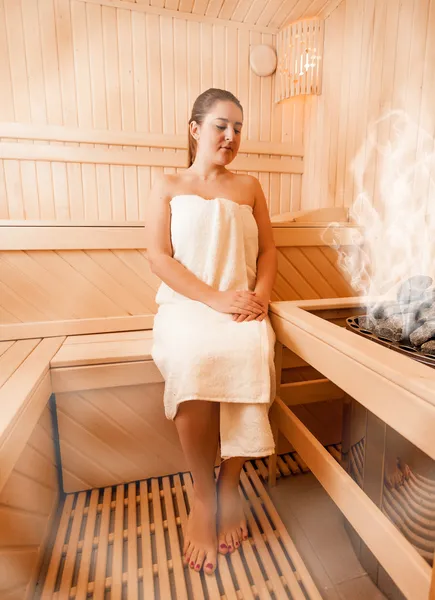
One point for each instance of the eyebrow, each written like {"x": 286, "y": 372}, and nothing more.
{"x": 227, "y": 121}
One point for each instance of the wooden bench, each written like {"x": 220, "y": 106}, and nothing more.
{"x": 103, "y": 394}
{"x": 29, "y": 485}
{"x": 109, "y": 404}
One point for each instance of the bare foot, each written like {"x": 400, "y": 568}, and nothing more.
{"x": 200, "y": 540}
{"x": 232, "y": 526}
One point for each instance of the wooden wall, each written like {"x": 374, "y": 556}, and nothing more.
{"x": 100, "y": 273}
{"x": 28, "y": 504}
{"x": 379, "y": 56}
{"x": 94, "y": 95}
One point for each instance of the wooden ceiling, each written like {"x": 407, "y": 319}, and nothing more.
{"x": 273, "y": 14}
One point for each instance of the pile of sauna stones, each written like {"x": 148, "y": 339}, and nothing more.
{"x": 411, "y": 319}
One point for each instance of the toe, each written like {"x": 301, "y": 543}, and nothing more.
{"x": 199, "y": 560}
{"x": 236, "y": 541}
{"x": 193, "y": 556}
{"x": 186, "y": 545}
{"x": 186, "y": 554}
{"x": 229, "y": 542}
{"x": 222, "y": 545}
{"x": 210, "y": 563}
{"x": 244, "y": 530}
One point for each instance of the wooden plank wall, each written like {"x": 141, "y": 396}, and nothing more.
{"x": 379, "y": 55}
{"x": 80, "y": 283}
{"x": 28, "y": 504}
{"x": 92, "y": 66}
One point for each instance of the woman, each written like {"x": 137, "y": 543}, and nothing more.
{"x": 210, "y": 242}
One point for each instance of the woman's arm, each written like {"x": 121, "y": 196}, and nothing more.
{"x": 267, "y": 262}
{"x": 267, "y": 266}
{"x": 160, "y": 252}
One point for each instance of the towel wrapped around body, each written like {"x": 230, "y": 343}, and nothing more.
{"x": 204, "y": 354}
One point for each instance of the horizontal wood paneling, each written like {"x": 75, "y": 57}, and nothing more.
{"x": 53, "y": 133}
{"x": 30, "y": 236}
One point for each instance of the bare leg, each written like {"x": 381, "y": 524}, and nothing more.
{"x": 232, "y": 527}
{"x": 197, "y": 423}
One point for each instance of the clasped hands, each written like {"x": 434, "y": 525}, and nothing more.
{"x": 244, "y": 305}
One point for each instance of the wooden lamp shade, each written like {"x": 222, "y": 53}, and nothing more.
{"x": 300, "y": 52}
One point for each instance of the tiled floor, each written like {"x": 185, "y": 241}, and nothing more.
{"x": 316, "y": 526}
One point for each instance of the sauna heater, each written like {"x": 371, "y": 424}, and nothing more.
{"x": 394, "y": 473}
{"x": 332, "y": 336}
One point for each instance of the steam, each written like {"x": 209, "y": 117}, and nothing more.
{"x": 397, "y": 236}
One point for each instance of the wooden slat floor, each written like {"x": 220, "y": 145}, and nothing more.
{"x": 124, "y": 543}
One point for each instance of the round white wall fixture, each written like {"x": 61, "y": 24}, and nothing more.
{"x": 263, "y": 60}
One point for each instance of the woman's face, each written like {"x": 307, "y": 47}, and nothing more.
{"x": 219, "y": 135}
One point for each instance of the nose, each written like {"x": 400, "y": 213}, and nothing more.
{"x": 229, "y": 134}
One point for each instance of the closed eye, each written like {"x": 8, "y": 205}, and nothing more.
{"x": 222, "y": 128}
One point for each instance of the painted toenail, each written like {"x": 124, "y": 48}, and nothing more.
{"x": 224, "y": 546}
{"x": 209, "y": 566}
{"x": 230, "y": 548}
{"x": 236, "y": 544}
{"x": 197, "y": 566}
{"x": 192, "y": 564}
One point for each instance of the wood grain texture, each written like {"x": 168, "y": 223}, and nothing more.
{"x": 153, "y": 514}
{"x": 108, "y": 67}
{"x": 42, "y": 285}
{"x": 377, "y": 59}
{"x": 28, "y": 503}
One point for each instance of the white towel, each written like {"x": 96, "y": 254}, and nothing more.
{"x": 202, "y": 353}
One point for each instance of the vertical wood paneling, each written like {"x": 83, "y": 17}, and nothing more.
{"x": 96, "y": 62}
{"x": 79, "y": 64}
{"x": 126, "y": 69}
{"x": 17, "y": 60}
{"x": 6, "y": 98}
{"x": 66, "y": 61}
{"x": 33, "y": 57}
{"x": 377, "y": 58}
{"x": 50, "y": 61}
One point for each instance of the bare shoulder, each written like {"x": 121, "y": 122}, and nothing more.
{"x": 158, "y": 217}
{"x": 245, "y": 186}
{"x": 163, "y": 186}
{"x": 254, "y": 190}
{"x": 261, "y": 213}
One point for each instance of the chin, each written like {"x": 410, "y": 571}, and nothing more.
{"x": 226, "y": 160}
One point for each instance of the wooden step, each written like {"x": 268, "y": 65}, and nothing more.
{"x": 124, "y": 543}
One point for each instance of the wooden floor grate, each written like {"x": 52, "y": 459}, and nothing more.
{"x": 123, "y": 543}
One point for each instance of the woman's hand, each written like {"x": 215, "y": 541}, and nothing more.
{"x": 264, "y": 300}
{"x": 241, "y": 303}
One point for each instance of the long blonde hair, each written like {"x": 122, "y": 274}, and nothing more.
{"x": 201, "y": 107}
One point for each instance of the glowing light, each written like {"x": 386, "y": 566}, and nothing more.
{"x": 299, "y": 53}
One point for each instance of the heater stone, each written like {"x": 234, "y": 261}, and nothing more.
{"x": 429, "y": 347}
{"x": 428, "y": 314}
{"x": 391, "y": 328}
{"x": 423, "y": 333}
